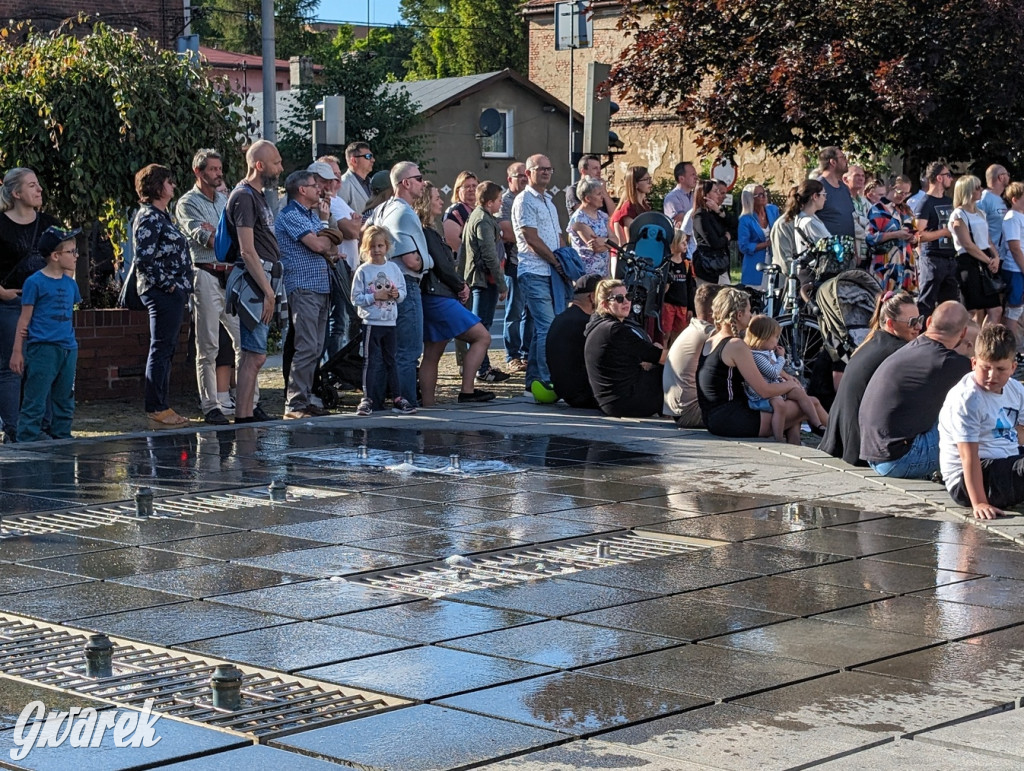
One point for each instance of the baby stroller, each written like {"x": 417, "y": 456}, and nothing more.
{"x": 342, "y": 372}
{"x": 640, "y": 267}
{"x": 845, "y": 306}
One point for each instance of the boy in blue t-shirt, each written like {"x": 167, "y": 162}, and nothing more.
{"x": 46, "y": 334}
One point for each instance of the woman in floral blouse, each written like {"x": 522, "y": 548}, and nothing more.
{"x": 891, "y": 241}
{"x": 163, "y": 271}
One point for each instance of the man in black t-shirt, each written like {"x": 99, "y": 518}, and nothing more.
{"x": 936, "y": 264}
{"x": 565, "y": 346}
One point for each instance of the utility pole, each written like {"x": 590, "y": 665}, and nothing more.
{"x": 269, "y": 73}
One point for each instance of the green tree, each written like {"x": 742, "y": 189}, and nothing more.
{"x": 931, "y": 77}
{"x": 235, "y": 25}
{"x": 465, "y": 37}
{"x": 87, "y": 111}
{"x": 393, "y": 45}
{"x": 383, "y": 118}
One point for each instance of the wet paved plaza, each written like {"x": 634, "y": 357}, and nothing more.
{"x": 628, "y": 596}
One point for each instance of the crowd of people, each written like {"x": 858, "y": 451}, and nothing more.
{"x": 379, "y": 257}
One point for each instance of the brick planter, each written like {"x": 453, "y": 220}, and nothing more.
{"x": 112, "y": 350}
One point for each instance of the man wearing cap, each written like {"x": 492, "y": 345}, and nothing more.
{"x": 198, "y": 212}
{"x": 355, "y": 183}
{"x": 565, "y": 345}
{"x": 305, "y": 255}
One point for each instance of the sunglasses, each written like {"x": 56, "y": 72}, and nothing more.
{"x": 914, "y": 323}
{"x": 619, "y": 298}
{"x": 367, "y": 156}
{"x": 417, "y": 177}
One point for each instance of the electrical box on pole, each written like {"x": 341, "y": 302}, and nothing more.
{"x": 331, "y": 130}
{"x": 598, "y": 111}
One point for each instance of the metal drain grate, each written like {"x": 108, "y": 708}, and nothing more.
{"x": 273, "y": 704}
{"x": 177, "y": 506}
{"x": 514, "y": 566}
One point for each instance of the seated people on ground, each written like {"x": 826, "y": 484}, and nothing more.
{"x": 726, "y": 362}
{"x": 981, "y": 461}
{"x": 623, "y": 365}
{"x": 679, "y": 380}
{"x": 895, "y": 323}
{"x": 899, "y": 436}
{"x": 565, "y": 345}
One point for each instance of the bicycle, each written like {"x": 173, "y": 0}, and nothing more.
{"x": 801, "y": 335}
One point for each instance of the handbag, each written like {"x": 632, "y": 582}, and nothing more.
{"x": 709, "y": 265}
{"x": 129, "y": 298}
{"x": 990, "y": 283}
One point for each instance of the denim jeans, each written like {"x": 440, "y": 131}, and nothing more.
{"x": 485, "y": 300}
{"x": 409, "y": 340}
{"x": 518, "y": 322}
{"x": 166, "y": 311}
{"x": 379, "y": 371}
{"x": 920, "y": 462}
{"x": 10, "y": 382}
{"x": 49, "y": 374}
{"x": 537, "y": 294}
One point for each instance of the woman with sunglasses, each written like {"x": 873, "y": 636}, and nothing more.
{"x": 623, "y": 365}
{"x": 895, "y": 323}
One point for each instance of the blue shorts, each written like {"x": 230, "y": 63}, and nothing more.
{"x": 256, "y": 340}
{"x": 1014, "y": 287}
{"x": 761, "y": 405}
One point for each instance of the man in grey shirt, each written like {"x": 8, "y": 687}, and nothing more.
{"x": 679, "y": 199}
{"x": 837, "y": 213}
{"x": 518, "y": 325}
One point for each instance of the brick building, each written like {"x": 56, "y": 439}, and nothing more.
{"x": 159, "y": 19}
{"x": 653, "y": 138}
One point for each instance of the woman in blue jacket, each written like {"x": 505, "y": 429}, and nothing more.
{"x": 755, "y": 223}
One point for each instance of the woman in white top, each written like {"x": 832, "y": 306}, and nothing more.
{"x": 974, "y": 254}
{"x": 1013, "y": 268}
{"x": 802, "y": 209}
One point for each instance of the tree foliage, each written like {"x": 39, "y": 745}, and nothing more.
{"x": 87, "y": 111}
{"x": 391, "y": 45}
{"x": 236, "y": 25}
{"x": 373, "y": 114}
{"x": 465, "y": 37}
{"x": 930, "y": 78}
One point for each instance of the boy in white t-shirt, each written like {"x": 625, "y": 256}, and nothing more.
{"x": 981, "y": 461}
{"x": 1013, "y": 264}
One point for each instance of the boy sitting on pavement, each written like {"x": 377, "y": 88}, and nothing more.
{"x": 981, "y": 461}
{"x": 45, "y": 348}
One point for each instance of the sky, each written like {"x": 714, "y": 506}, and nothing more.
{"x": 380, "y": 11}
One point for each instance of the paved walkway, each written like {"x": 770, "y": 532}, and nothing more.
{"x": 829, "y": 617}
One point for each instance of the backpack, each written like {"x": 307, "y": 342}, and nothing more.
{"x": 225, "y": 244}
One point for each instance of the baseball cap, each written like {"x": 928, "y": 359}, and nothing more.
{"x": 586, "y": 284}
{"x": 380, "y": 181}
{"x": 322, "y": 170}
{"x": 53, "y": 237}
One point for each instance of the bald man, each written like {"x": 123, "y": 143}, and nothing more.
{"x": 255, "y": 253}
{"x": 900, "y": 410}
{"x": 993, "y": 207}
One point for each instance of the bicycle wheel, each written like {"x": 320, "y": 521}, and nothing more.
{"x": 802, "y": 345}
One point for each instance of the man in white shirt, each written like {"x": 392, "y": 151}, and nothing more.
{"x": 679, "y": 199}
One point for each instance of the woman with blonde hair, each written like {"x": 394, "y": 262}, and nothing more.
{"x": 623, "y": 365}
{"x": 726, "y": 364}
{"x": 633, "y": 203}
{"x": 456, "y": 215}
{"x": 975, "y": 256}
{"x": 753, "y": 235}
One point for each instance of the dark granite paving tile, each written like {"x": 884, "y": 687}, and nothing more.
{"x": 531, "y": 502}
{"x": 832, "y": 540}
{"x": 666, "y": 575}
{"x": 880, "y": 576}
{"x": 425, "y": 673}
{"x": 167, "y": 625}
{"x": 710, "y": 672}
{"x": 881, "y": 704}
{"x": 419, "y": 739}
{"x": 328, "y": 561}
{"x": 447, "y": 491}
{"x": 442, "y": 515}
{"x": 74, "y": 494}
{"x": 921, "y": 754}
{"x": 296, "y": 646}
{"x": 239, "y": 545}
{"x": 255, "y": 757}
{"x": 681, "y": 617}
{"x": 535, "y": 481}
{"x": 536, "y": 529}
{"x": 24, "y": 578}
{"x": 346, "y": 530}
{"x": 1004, "y": 638}
{"x": 723, "y": 527}
{"x": 814, "y": 514}
{"x": 617, "y": 514}
{"x": 701, "y": 503}
{"x": 315, "y": 599}
{"x": 155, "y": 530}
{"x": 210, "y": 580}
{"x": 354, "y": 504}
{"x": 431, "y": 621}
{"x": 66, "y": 603}
{"x": 118, "y": 563}
{"x": 561, "y": 644}
{"x": 925, "y": 529}
{"x": 967, "y": 558}
{"x": 437, "y": 544}
{"x": 259, "y": 517}
{"x": 15, "y": 503}
{"x": 1004, "y": 593}
{"x": 754, "y": 558}
{"x": 574, "y": 703}
{"x": 617, "y": 491}
{"x": 552, "y": 597}
{"x": 592, "y": 754}
{"x": 27, "y": 548}
{"x": 740, "y": 739}
{"x": 178, "y": 742}
{"x": 779, "y": 594}
{"x": 988, "y": 670}
{"x": 16, "y": 694}
{"x": 917, "y": 615}
{"x": 819, "y": 642}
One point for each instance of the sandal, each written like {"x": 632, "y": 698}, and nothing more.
{"x": 166, "y": 418}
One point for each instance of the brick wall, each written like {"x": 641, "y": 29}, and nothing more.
{"x": 159, "y": 19}
{"x": 112, "y": 350}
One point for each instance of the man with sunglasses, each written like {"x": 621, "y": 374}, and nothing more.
{"x": 936, "y": 264}
{"x": 355, "y": 183}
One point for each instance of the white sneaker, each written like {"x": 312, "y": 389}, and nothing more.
{"x": 229, "y": 408}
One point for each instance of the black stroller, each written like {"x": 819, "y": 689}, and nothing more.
{"x": 640, "y": 266}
